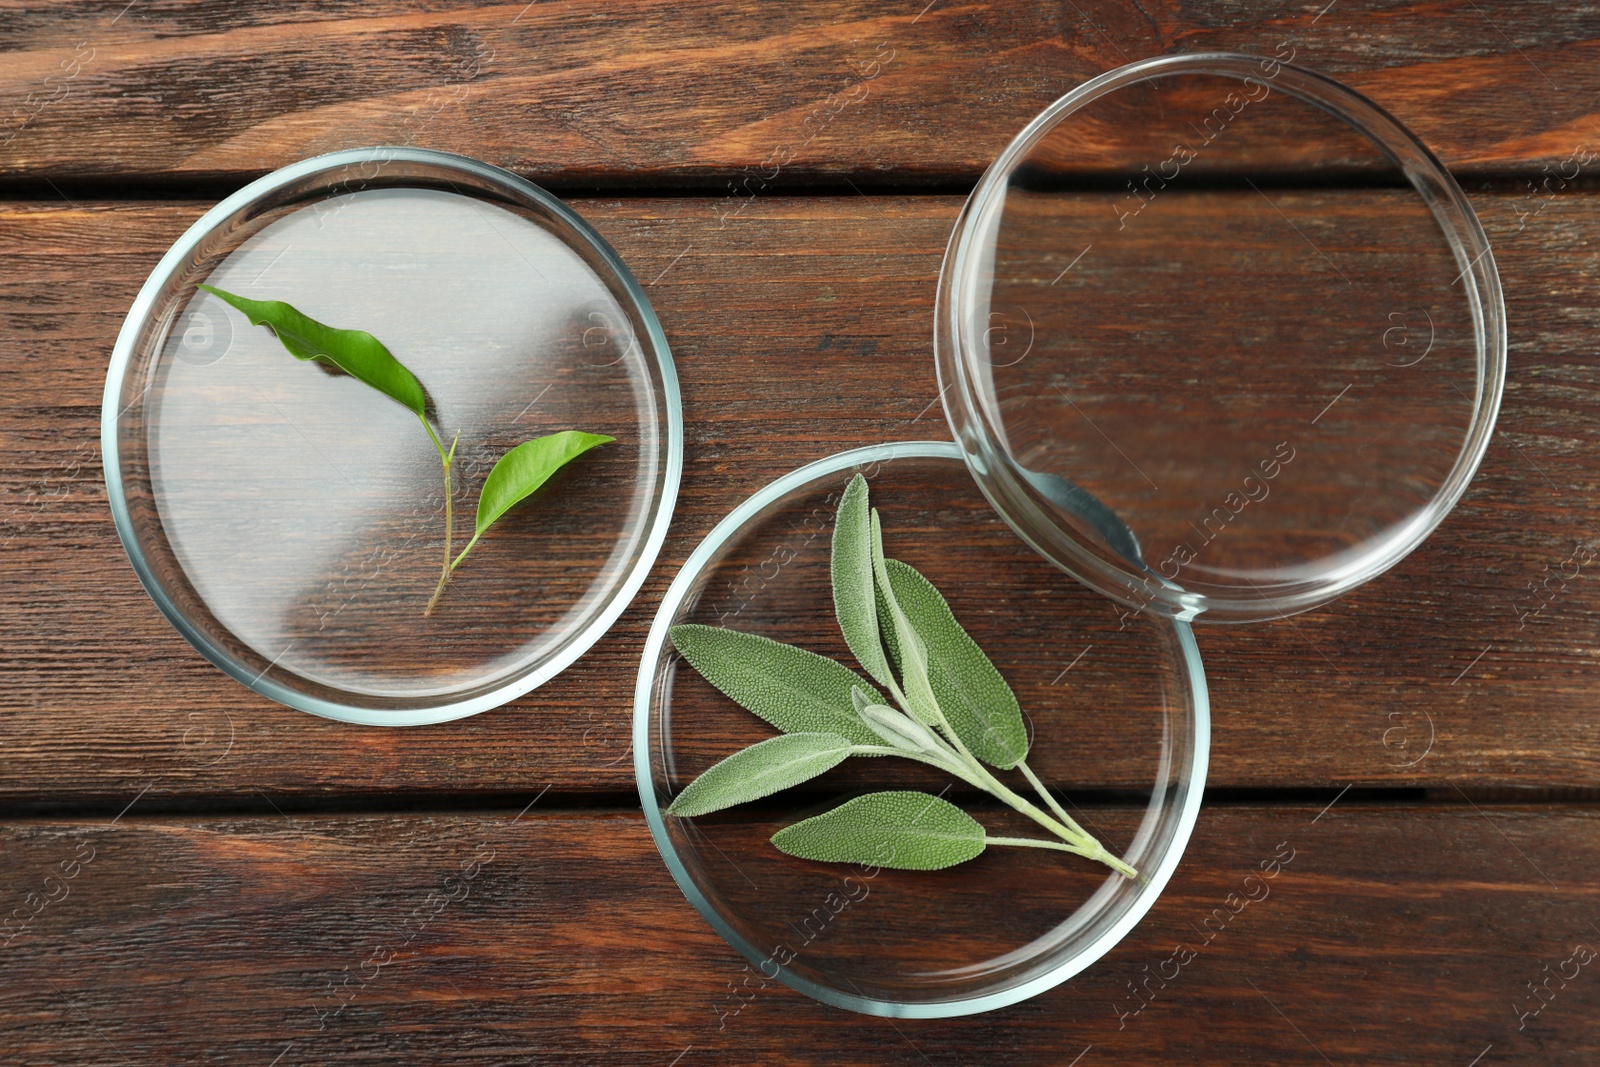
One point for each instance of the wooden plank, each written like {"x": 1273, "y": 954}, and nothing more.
{"x": 1415, "y": 934}
{"x": 732, "y": 96}
{"x": 1446, "y": 670}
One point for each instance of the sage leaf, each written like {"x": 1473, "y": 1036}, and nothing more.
{"x": 854, "y": 599}
{"x": 761, "y": 770}
{"x": 920, "y": 701}
{"x": 897, "y": 729}
{"x": 356, "y": 352}
{"x": 525, "y": 468}
{"x": 905, "y": 831}
{"x": 793, "y": 689}
{"x": 975, "y": 699}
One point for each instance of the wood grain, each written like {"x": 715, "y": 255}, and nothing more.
{"x": 240, "y": 883}
{"x": 725, "y": 95}
{"x": 1393, "y": 934}
{"x": 800, "y": 328}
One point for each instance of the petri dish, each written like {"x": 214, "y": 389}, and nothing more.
{"x": 291, "y": 522}
{"x": 1118, "y": 716}
{"x": 1220, "y": 337}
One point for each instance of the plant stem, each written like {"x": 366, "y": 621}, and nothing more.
{"x": 1029, "y": 842}
{"x": 957, "y": 759}
{"x": 931, "y": 759}
{"x": 1079, "y": 843}
{"x": 1073, "y": 834}
{"x": 445, "y": 461}
{"x": 464, "y": 551}
{"x": 433, "y": 437}
{"x": 1031, "y": 810}
{"x": 1044, "y": 794}
{"x": 1096, "y": 853}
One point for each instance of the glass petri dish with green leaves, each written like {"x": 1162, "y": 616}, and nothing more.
{"x": 271, "y": 482}
{"x": 1115, "y": 726}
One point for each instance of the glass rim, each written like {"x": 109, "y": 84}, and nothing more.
{"x": 308, "y": 170}
{"x": 1194, "y": 774}
{"x": 957, "y": 353}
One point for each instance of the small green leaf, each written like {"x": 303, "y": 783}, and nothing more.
{"x": 528, "y": 466}
{"x": 761, "y": 770}
{"x": 356, "y": 352}
{"x": 922, "y": 704}
{"x": 899, "y": 730}
{"x": 795, "y": 690}
{"x": 854, "y": 601}
{"x": 975, "y": 699}
{"x": 902, "y": 830}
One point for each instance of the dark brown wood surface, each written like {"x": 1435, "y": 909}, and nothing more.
{"x": 236, "y": 864}
{"x": 585, "y": 93}
{"x": 1394, "y": 934}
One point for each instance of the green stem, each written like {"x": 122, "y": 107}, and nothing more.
{"x": 931, "y": 759}
{"x": 974, "y": 773}
{"x": 445, "y": 461}
{"x": 957, "y": 759}
{"x": 1031, "y": 810}
{"x": 443, "y": 457}
{"x": 464, "y": 551}
{"x": 1073, "y": 834}
{"x": 1044, "y": 794}
{"x": 1029, "y": 842}
{"x": 1096, "y": 853}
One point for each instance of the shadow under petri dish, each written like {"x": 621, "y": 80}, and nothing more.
{"x": 305, "y": 510}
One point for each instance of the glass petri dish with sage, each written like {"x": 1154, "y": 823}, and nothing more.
{"x": 1220, "y": 337}
{"x": 1117, "y": 726}
{"x": 289, "y": 518}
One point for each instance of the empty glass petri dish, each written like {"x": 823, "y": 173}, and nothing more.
{"x": 1117, "y": 714}
{"x": 1220, "y": 337}
{"x": 291, "y": 522}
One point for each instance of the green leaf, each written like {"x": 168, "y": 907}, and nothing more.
{"x": 356, "y": 352}
{"x": 899, "y": 730}
{"x": 975, "y": 699}
{"x": 902, "y": 830}
{"x": 921, "y": 703}
{"x": 795, "y": 690}
{"x": 526, "y": 467}
{"x": 761, "y": 770}
{"x": 854, "y": 600}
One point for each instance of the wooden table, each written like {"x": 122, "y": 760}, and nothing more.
{"x": 219, "y": 868}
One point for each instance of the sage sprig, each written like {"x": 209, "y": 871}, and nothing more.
{"x": 514, "y": 477}
{"x": 951, "y": 710}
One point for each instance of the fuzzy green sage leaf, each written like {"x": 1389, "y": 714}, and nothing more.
{"x": 793, "y": 689}
{"x": 920, "y": 701}
{"x": 761, "y": 770}
{"x": 356, "y": 352}
{"x": 905, "y": 831}
{"x": 900, "y": 731}
{"x": 975, "y": 699}
{"x": 854, "y": 601}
